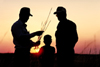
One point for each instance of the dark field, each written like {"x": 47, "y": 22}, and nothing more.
{"x": 6, "y": 60}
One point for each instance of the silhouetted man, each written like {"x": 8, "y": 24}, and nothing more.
{"x": 21, "y": 39}
{"x": 47, "y": 53}
{"x": 66, "y": 38}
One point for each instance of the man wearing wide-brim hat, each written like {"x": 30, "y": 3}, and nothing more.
{"x": 66, "y": 38}
{"x": 21, "y": 39}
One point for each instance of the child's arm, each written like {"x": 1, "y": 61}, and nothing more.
{"x": 40, "y": 53}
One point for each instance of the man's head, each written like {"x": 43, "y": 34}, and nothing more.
{"x": 61, "y": 13}
{"x": 47, "y": 40}
{"x": 24, "y": 14}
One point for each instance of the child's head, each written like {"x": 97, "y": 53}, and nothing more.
{"x": 47, "y": 40}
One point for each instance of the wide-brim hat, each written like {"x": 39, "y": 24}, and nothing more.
{"x": 60, "y": 9}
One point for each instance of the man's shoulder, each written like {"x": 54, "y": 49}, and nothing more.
{"x": 47, "y": 47}
{"x": 71, "y": 22}
{"x": 17, "y": 23}
{"x": 42, "y": 47}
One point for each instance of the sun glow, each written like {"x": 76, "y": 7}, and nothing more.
{"x": 34, "y": 50}
{"x": 37, "y": 50}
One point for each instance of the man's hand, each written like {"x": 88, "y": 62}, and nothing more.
{"x": 38, "y": 33}
{"x": 37, "y": 43}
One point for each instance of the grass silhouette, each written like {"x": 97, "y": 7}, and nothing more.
{"x": 81, "y": 60}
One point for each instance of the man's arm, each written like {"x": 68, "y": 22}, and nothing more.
{"x": 18, "y": 33}
{"x": 28, "y": 36}
{"x": 74, "y": 35}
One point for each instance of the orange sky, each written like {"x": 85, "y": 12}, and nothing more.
{"x": 85, "y": 13}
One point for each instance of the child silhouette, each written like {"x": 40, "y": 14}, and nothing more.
{"x": 47, "y": 53}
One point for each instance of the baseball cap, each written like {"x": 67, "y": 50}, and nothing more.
{"x": 60, "y": 9}
{"x": 25, "y": 10}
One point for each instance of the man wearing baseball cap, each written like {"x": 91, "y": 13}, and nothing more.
{"x": 21, "y": 39}
{"x": 66, "y": 38}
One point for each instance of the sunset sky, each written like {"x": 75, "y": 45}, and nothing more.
{"x": 85, "y": 13}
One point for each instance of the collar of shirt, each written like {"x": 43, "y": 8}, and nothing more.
{"x": 22, "y": 23}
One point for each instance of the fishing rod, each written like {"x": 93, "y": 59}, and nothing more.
{"x": 44, "y": 27}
